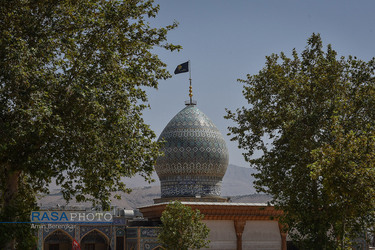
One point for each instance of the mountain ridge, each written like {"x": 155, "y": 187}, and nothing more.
{"x": 237, "y": 184}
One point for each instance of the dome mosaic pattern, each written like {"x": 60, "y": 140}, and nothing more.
{"x": 195, "y": 156}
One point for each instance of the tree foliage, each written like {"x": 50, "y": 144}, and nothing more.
{"x": 182, "y": 228}
{"x": 313, "y": 118}
{"x": 72, "y": 90}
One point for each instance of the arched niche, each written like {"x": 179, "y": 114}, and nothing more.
{"x": 58, "y": 240}
{"x": 95, "y": 240}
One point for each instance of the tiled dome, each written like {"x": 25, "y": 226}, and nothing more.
{"x": 195, "y": 156}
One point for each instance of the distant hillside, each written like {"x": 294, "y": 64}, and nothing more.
{"x": 251, "y": 198}
{"x": 238, "y": 181}
{"x": 139, "y": 197}
{"x": 237, "y": 184}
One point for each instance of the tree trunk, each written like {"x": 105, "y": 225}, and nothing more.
{"x": 12, "y": 179}
{"x": 10, "y": 245}
{"x": 10, "y": 192}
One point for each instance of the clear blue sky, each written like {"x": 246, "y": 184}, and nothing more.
{"x": 226, "y": 40}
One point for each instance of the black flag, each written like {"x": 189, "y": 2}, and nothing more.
{"x": 182, "y": 68}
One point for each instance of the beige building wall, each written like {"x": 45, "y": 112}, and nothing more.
{"x": 222, "y": 234}
{"x": 261, "y": 235}
{"x": 257, "y": 235}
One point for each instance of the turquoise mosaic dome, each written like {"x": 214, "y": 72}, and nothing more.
{"x": 195, "y": 156}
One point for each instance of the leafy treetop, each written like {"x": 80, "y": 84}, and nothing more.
{"x": 182, "y": 228}
{"x": 312, "y": 117}
{"x": 73, "y": 76}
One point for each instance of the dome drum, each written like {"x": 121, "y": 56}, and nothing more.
{"x": 189, "y": 188}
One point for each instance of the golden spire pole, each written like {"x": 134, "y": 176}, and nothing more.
{"x": 190, "y": 87}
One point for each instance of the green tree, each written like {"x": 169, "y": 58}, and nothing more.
{"x": 182, "y": 228}
{"x": 312, "y": 117}
{"x": 73, "y": 76}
